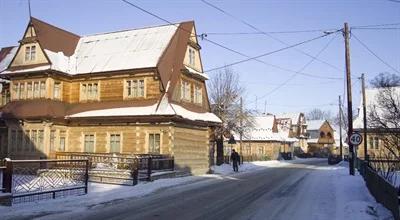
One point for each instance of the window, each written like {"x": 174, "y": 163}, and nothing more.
{"x": 89, "y": 91}
{"x": 154, "y": 143}
{"x": 115, "y": 143}
{"x": 52, "y": 140}
{"x": 134, "y": 88}
{"x": 322, "y": 134}
{"x": 57, "y": 90}
{"x": 89, "y": 143}
{"x": 36, "y": 92}
{"x": 260, "y": 150}
{"x": 192, "y": 54}
{"x": 42, "y": 89}
{"x": 376, "y": 142}
{"x": 29, "y": 90}
{"x": 40, "y": 145}
{"x": 34, "y": 140}
{"x": 371, "y": 142}
{"x": 5, "y": 96}
{"x": 21, "y": 91}
{"x": 185, "y": 91}
{"x": 329, "y": 135}
{"x": 62, "y": 141}
{"x": 198, "y": 96}
{"x": 16, "y": 90}
{"x": 30, "y": 53}
{"x": 27, "y": 143}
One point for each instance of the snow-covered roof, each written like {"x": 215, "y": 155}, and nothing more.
{"x": 294, "y": 116}
{"x": 9, "y": 55}
{"x": 163, "y": 108}
{"x": 263, "y": 131}
{"x": 122, "y": 50}
{"x": 314, "y": 124}
{"x": 371, "y": 98}
{"x": 196, "y": 73}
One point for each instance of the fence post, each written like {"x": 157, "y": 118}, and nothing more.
{"x": 149, "y": 167}
{"x": 7, "y": 175}
{"x": 86, "y": 175}
{"x": 135, "y": 171}
{"x": 173, "y": 163}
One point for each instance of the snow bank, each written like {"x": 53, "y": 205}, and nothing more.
{"x": 353, "y": 200}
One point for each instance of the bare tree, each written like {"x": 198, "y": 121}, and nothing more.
{"x": 225, "y": 92}
{"x": 385, "y": 80}
{"x": 384, "y": 121}
{"x": 318, "y": 114}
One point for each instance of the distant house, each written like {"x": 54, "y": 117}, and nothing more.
{"x": 264, "y": 140}
{"x": 132, "y": 91}
{"x": 294, "y": 125}
{"x": 321, "y": 138}
{"x": 375, "y": 135}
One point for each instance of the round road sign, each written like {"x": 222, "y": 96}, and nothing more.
{"x": 355, "y": 139}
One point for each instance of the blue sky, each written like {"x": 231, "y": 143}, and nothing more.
{"x": 301, "y": 93}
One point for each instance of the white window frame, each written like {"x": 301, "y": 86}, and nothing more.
{"x": 149, "y": 150}
{"x": 135, "y": 88}
{"x": 110, "y": 139}
{"x": 84, "y": 141}
{"x": 58, "y": 95}
{"x": 87, "y": 91}
{"x": 192, "y": 56}
{"x": 198, "y": 94}
{"x": 186, "y": 91}
{"x": 30, "y": 53}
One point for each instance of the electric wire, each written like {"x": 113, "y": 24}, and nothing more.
{"x": 225, "y": 47}
{"x": 265, "y": 33}
{"x": 374, "y": 54}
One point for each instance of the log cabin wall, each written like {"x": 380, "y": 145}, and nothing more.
{"x": 191, "y": 149}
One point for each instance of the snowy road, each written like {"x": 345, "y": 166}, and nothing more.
{"x": 297, "y": 191}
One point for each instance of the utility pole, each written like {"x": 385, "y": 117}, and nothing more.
{"x": 241, "y": 126}
{"x": 349, "y": 99}
{"x": 366, "y": 157}
{"x": 340, "y": 128}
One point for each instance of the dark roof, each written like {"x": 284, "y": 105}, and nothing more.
{"x": 53, "y": 38}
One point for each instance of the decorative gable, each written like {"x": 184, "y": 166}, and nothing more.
{"x": 29, "y": 51}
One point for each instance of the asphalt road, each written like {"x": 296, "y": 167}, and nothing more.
{"x": 274, "y": 193}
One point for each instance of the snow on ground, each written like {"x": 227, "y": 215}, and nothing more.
{"x": 353, "y": 200}
{"x": 351, "y": 197}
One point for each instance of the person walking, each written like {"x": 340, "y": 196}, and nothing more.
{"x": 235, "y": 158}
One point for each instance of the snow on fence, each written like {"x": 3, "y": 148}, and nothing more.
{"x": 124, "y": 169}
{"x": 31, "y": 180}
{"x": 383, "y": 190}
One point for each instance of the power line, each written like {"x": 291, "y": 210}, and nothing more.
{"x": 376, "y": 25}
{"x": 377, "y": 28}
{"x": 265, "y": 33}
{"x": 304, "y": 67}
{"x": 374, "y": 54}
{"x": 271, "y": 52}
{"x": 216, "y": 43}
{"x": 271, "y": 32}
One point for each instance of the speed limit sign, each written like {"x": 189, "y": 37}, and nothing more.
{"x": 355, "y": 139}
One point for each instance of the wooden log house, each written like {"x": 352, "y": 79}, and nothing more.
{"x": 132, "y": 91}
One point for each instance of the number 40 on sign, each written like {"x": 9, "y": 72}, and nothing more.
{"x": 355, "y": 139}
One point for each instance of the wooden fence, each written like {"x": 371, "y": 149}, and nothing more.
{"x": 383, "y": 191}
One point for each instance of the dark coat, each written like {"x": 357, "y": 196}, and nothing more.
{"x": 235, "y": 157}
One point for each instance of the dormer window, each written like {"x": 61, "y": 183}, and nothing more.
{"x": 134, "y": 88}
{"x": 185, "y": 91}
{"x": 198, "y": 96}
{"x": 30, "y": 53}
{"x": 192, "y": 55}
